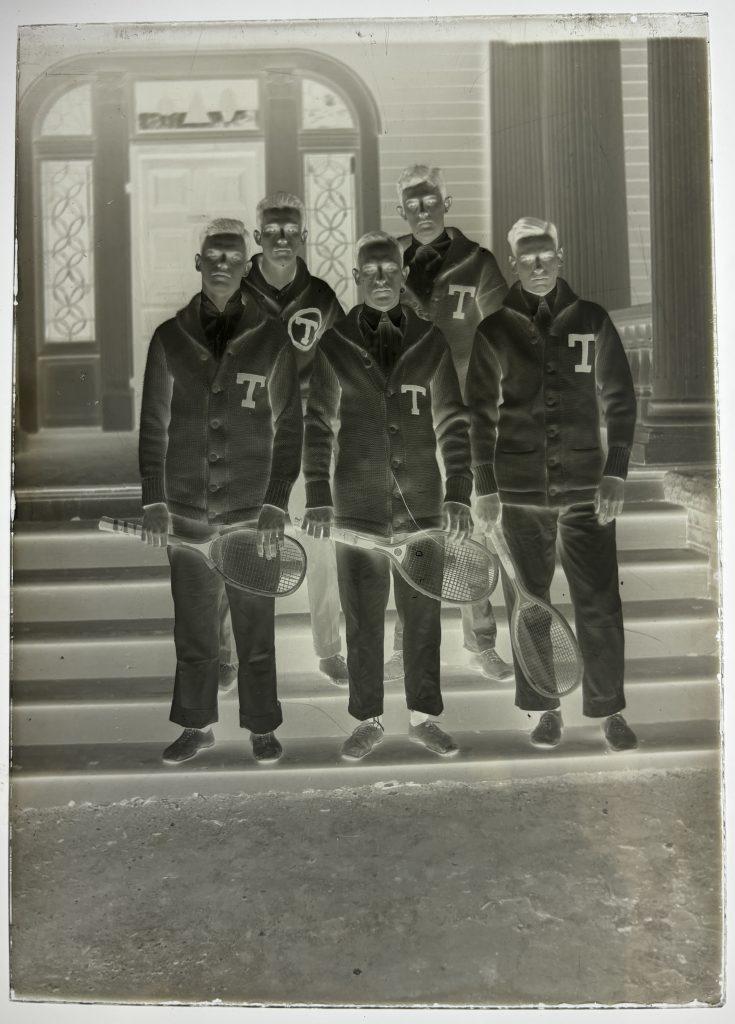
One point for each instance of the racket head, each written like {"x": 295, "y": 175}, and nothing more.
{"x": 456, "y": 572}
{"x": 235, "y": 555}
{"x": 546, "y": 648}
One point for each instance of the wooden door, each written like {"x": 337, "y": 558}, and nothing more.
{"x": 175, "y": 190}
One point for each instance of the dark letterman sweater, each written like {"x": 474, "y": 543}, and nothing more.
{"x": 467, "y": 286}
{"x": 219, "y": 439}
{"x": 388, "y": 430}
{"x": 307, "y": 306}
{"x": 533, "y": 398}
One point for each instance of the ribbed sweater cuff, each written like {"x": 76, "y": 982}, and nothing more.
{"x": 485, "y": 482}
{"x": 318, "y": 494}
{"x": 153, "y": 490}
{"x": 458, "y": 488}
{"x": 278, "y": 493}
{"x": 617, "y": 462}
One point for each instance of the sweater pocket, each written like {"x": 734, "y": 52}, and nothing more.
{"x": 519, "y": 468}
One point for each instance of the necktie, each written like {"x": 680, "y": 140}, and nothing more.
{"x": 424, "y": 266}
{"x": 543, "y": 317}
{"x": 388, "y": 337}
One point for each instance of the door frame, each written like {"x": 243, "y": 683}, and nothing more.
{"x": 110, "y": 358}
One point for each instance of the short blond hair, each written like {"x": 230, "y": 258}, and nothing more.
{"x": 417, "y": 174}
{"x": 280, "y": 201}
{"x": 377, "y": 236}
{"x": 224, "y": 226}
{"x": 531, "y": 227}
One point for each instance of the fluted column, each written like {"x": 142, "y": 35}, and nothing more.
{"x": 557, "y": 152}
{"x": 678, "y": 422}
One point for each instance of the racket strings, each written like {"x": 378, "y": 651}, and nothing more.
{"x": 452, "y": 570}
{"x": 546, "y": 649}
{"x": 236, "y": 556}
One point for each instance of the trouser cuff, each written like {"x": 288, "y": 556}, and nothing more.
{"x": 362, "y": 715}
{"x": 538, "y": 703}
{"x": 327, "y": 651}
{"x": 427, "y": 707}
{"x": 193, "y": 718}
{"x": 261, "y": 723}
{"x": 602, "y": 709}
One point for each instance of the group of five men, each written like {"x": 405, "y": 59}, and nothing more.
{"x": 438, "y": 378}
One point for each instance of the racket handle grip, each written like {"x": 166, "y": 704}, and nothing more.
{"x": 108, "y": 525}
{"x": 495, "y": 533}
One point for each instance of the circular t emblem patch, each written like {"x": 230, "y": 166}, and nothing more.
{"x": 304, "y": 327}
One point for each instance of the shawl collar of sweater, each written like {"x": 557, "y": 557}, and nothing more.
{"x": 254, "y": 280}
{"x": 189, "y": 322}
{"x": 461, "y": 248}
{"x": 564, "y": 298}
{"x": 348, "y": 330}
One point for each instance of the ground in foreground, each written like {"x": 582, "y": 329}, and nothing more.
{"x": 574, "y": 889}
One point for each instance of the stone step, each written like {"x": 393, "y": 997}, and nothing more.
{"x": 80, "y": 545}
{"x": 57, "y": 595}
{"x": 121, "y": 710}
{"x": 48, "y": 776}
{"x": 42, "y": 503}
{"x": 126, "y": 648}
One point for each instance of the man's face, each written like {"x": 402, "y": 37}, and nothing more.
{"x": 281, "y": 236}
{"x": 537, "y": 262}
{"x": 380, "y": 273}
{"x": 424, "y": 209}
{"x": 221, "y": 263}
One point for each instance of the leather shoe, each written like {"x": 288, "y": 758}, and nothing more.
{"x": 429, "y": 735}
{"x": 189, "y": 743}
{"x": 492, "y": 665}
{"x": 335, "y": 669}
{"x": 619, "y": 734}
{"x": 366, "y": 736}
{"x": 393, "y": 668}
{"x": 548, "y": 731}
{"x": 266, "y": 748}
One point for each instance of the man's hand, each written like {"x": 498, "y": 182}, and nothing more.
{"x": 609, "y": 499}
{"x": 271, "y": 523}
{"x": 457, "y": 520}
{"x": 318, "y": 521}
{"x": 487, "y": 509}
{"x": 156, "y": 525}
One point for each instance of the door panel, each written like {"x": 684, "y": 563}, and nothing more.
{"x": 175, "y": 190}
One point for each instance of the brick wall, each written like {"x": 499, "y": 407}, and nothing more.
{"x": 634, "y": 60}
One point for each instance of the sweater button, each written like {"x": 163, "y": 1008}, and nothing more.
{"x": 393, "y": 428}
{"x": 553, "y": 490}
{"x": 395, "y": 463}
{"x": 553, "y": 461}
{"x": 215, "y": 424}
{"x": 216, "y": 389}
{"x": 203, "y": 358}
{"x": 213, "y": 488}
{"x": 213, "y": 456}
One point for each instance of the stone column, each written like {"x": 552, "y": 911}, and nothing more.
{"x": 557, "y": 152}
{"x": 678, "y": 422}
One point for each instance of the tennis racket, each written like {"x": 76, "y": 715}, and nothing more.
{"x": 542, "y": 639}
{"x": 456, "y": 572}
{"x": 234, "y": 555}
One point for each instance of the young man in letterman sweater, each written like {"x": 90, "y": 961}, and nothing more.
{"x": 387, "y": 377}
{"x": 537, "y": 368}
{"x": 220, "y": 443}
{"x": 280, "y": 283}
{"x": 454, "y": 283}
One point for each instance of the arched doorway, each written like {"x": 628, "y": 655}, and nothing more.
{"x": 118, "y": 168}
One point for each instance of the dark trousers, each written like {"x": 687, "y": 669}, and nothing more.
{"x": 198, "y": 594}
{"x": 589, "y": 560}
{"x": 364, "y": 585}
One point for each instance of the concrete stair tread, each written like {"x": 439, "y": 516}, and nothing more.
{"x": 49, "y": 775}
{"x": 298, "y": 622}
{"x": 130, "y": 575}
{"x": 312, "y": 685}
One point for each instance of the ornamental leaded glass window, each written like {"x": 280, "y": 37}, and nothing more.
{"x": 68, "y": 270}
{"x": 329, "y": 195}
